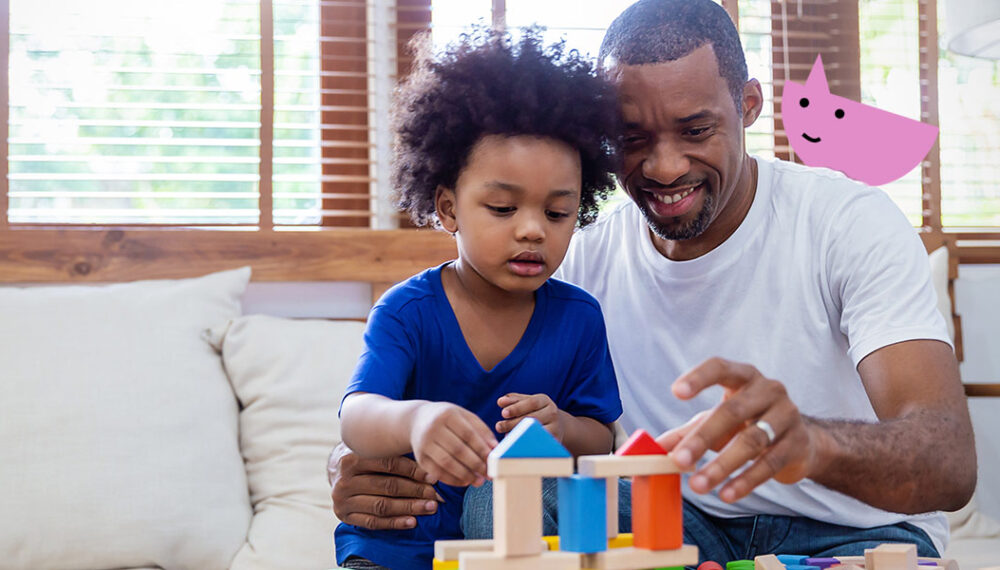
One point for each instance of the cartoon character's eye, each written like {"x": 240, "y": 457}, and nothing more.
{"x": 803, "y": 102}
{"x": 839, "y": 113}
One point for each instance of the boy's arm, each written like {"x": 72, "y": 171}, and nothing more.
{"x": 449, "y": 442}
{"x": 580, "y": 435}
{"x": 376, "y": 426}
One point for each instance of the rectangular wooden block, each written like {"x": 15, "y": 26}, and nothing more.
{"x": 891, "y": 557}
{"x": 611, "y": 486}
{"x": 630, "y": 558}
{"x": 447, "y": 550}
{"x": 582, "y": 520}
{"x": 542, "y": 561}
{"x": 521, "y": 467}
{"x": 517, "y": 516}
{"x": 657, "y": 512}
{"x": 767, "y": 562}
{"x": 628, "y": 466}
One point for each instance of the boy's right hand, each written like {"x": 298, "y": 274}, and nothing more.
{"x": 451, "y": 443}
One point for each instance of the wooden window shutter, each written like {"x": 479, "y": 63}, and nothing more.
{"x": 801, "y": 29}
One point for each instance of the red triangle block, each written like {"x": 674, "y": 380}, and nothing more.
{"x": 640, "y": 443}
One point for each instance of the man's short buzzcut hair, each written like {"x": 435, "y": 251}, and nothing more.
{"x": 657, "y": 31}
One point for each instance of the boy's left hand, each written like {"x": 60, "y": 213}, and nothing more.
{"x": 516, "y": 407}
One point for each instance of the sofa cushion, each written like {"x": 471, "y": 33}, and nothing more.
{"x": 119, "y": 429}
{"x": 289, "y": 376}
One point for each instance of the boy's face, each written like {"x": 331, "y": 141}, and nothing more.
{"x": 513, "y": 209}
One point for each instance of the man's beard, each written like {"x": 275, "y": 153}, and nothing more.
{"x": 692, "y": 229}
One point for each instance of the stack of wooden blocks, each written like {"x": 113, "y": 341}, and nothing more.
{"x": 883, "y": 557}
{"x": 588, "y": 509}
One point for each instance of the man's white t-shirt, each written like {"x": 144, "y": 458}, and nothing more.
{"x": 821, "y": 272}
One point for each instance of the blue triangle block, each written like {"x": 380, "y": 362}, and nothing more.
{"x": 529, "y": 439}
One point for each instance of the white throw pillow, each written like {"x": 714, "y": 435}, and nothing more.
{"x": 289, "y": 376}
{"x": 118, "y": 429}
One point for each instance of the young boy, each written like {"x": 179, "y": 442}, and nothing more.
{"x": 508, "y": 146}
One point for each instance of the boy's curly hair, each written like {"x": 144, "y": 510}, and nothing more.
{"x": 488, "y": 84}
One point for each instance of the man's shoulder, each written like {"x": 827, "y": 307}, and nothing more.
{"x": 813, "y": 184}
{"x": 822, "y": 196}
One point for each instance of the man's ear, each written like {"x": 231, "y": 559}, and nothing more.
{"x": 753, "y": 102}
{"x": 444, "y": 205}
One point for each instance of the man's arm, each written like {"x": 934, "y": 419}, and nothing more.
{"x": 920, "y": 457}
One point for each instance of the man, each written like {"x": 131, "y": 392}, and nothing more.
{"x": 850, "y": 422}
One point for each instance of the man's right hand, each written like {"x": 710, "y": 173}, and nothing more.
{"x": 378, "y": 494}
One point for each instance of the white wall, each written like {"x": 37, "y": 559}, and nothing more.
{"x": 977, "y": 300}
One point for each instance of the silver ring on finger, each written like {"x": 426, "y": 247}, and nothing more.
{"x": 768, "y": 431}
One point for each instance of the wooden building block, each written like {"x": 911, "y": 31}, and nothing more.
{"x": 640, "y": 443}
{"x": 767, "y": 562}
{"x": 630, "y": 466}
{"x": 541, "y": 561}
{"x": 657, "y": 512}
{"x": 444, "y": 564}
{"x": 611, "y": 505}
{"x": 517, "y": 516}
{"x": 856, "y": 560}
{"x": 582, "y": 520}
{"x": 891, "y": 557}
{"x": 629, "y": 558}
{"x": 529, "y": 439}
{"x": 446, "y": 550}
{"x": 497, "y": 467}
{"x": 621, "y": 541}
{"x": 948, "y": 563}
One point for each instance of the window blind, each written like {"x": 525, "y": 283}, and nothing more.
{"x": 149, "y": 113}
{"x": 134, "y": 112}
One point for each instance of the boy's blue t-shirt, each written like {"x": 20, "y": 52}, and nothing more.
{"x": 414, "y": 350}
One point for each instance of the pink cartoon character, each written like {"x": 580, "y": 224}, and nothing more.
{"x": 864, "y": 142}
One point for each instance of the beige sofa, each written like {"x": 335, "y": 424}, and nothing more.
{"x": 151, "y": 424}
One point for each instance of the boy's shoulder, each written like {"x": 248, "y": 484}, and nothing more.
{"x": 420, "y": 287}
{"x": 571, "y": 295}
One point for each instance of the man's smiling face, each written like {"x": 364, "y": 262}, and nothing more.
{"x": 684, "y": 155}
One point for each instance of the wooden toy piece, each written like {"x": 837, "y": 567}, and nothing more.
{"x": 640, "y": 443}
{"x": 517, "y": 516}
{"x": 767, "y": 562}
{"x": 657, "y": 512}
{"x": 630, "y": 558}
{"x": 891, "y": 557}
{"x": 611, "y": 506}
{"x": 821, "y": 562}
{"x": 793, "y": 559}
{"x": 621, "y": 541}
{"x": 494, "y": 561}
{"x": 603, "y": 466}
{"x": 497, "y": 467}
{"x": 947, "y": 563}
{"x": 444, "y": 564}
{"x": 529, "y": 439}
{"x": 582, "y": 518}
{"x": 710, "y": 565}
{"x": 448, "y": 550}
{"x": 855, "y": 560}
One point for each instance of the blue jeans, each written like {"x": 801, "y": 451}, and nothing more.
{"x": 720, "y": 539}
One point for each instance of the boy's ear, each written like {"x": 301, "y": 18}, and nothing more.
{"x": 444, "y": 204}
